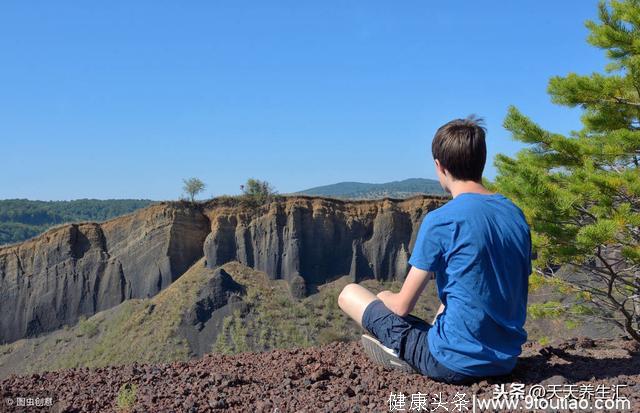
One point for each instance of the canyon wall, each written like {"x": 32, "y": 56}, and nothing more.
{"x": 81, "y": 269}
{"x": 318, "y": 239}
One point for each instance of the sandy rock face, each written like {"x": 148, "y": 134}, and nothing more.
{"x": 319, "y": 239}
{"x": 80, "y": 269}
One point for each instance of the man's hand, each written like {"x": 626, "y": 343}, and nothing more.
{"x": 440, "y": 310}
{"x": 403, "y": 302}
{"x": 392, "y": 302}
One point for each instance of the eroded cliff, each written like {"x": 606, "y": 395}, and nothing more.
{"x": 313, "y": 240}
{"x": 81, "y": 269}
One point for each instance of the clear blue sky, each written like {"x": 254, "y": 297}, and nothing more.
{"x": 123, "y": 99}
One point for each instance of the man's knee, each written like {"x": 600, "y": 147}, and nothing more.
{"x": 346, "y": 295}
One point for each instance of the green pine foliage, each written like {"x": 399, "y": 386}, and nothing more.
{"x": 581, "y": 192}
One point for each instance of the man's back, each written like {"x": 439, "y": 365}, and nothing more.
{"x": 479, "y": 246}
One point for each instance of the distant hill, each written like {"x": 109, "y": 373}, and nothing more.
{"x": 21, "y": 219}
{"x": 361, "y": 190}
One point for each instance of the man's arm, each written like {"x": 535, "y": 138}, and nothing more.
{"x": 402, "y": 303}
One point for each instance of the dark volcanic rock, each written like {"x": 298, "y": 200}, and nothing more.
{"x": 212, "y": 296}
{"x": 334, "y": 378}
{"x": 202, "y": 323}
{"x": 80, "y": 269}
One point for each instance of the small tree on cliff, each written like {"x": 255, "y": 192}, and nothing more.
{"x": 581, "y": 193}
{"x": 257, "y": 190}
{"x": 192, "y": 187}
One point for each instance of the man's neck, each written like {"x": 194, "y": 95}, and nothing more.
{"x": 458, "y": 187}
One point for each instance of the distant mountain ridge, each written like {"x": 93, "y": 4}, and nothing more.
{"x": 361, "y": 190}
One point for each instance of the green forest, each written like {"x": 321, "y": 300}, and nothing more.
{"x": 21, "y": 219}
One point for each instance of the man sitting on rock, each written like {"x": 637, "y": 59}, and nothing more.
{"x": 477, "y": 246}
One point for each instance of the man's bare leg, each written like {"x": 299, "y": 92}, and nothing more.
{"x": 354, "y": 299}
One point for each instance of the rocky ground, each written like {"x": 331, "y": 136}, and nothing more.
{"x": 334, "y": 378}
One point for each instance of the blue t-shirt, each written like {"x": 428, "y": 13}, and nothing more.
{"x": 479, "y": 247}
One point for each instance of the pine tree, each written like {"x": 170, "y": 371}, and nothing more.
{"x": 581, "y": 192}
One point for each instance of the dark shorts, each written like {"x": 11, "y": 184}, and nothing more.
{"x": 408, "y": 337}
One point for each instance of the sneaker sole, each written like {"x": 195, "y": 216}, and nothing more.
{"x": 384, "y": 356}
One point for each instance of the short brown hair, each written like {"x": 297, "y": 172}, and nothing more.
{"x": 460, "y": 147}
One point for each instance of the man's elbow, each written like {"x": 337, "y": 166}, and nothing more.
{"x": 403, "y": 313}
{"x": 402, "y": 309}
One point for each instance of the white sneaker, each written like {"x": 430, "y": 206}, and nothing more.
{"x": 380, "y": 354}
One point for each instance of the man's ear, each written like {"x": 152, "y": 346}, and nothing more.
{"x": 440, "y": 168}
